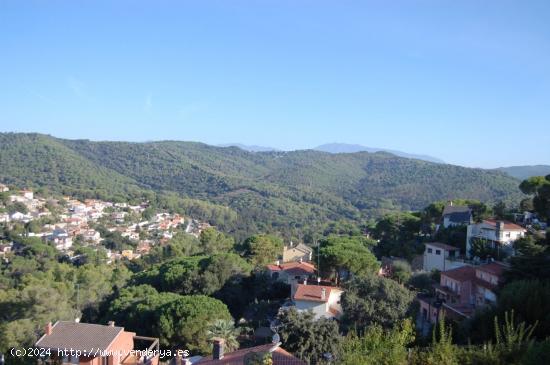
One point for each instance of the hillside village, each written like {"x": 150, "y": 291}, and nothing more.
{"x": 306, "y": 280}
{"x": 68, "y": 223}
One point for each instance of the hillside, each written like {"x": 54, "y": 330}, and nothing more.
{"x": 524, "y": 172}
{"x": 270, "y": 191}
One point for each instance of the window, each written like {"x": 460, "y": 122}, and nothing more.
{"x": 430, "y": 250}
{"x": 438, "y": 252}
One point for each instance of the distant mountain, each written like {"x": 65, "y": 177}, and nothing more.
{"x": 524, "y": 172}
{"x": 352, "y": 148}
{"x": 249, "y": 148}
{"x": 288, "y": 192}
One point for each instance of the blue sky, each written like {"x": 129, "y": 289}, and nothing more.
{"x": 465, "y": 81}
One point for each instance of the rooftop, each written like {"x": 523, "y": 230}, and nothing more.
{"x": 294, "y": 268}
{"x": 450, "y": 209}
{"x": 509, "y": 226}
{"x": 279, "y": 356}
{"x": 79, "y": 336}
{"x": 495, "y": 268}
{"x": 313, "y": 293}
{"x": 461, "y": 274}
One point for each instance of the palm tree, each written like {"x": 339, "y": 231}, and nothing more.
{"x": 225, "y": 329}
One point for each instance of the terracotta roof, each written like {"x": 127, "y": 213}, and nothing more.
{"x": 494, "y": 268}
{"x": 294, "y": 268}
{"x": 279, "y": 356}
{"x": 461, "y": 274}
{"x": 79, "y": 336}
{"x": 443, "y": 246}
{"x": 508, "y": 226}
{"x": 313, "y": 293}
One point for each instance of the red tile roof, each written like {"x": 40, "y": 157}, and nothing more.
{"x": 313, "y": 293}
{"x": 461, "y": 274}
{"x": 295, "y": 268}
{"x": 494, "y": 268}
{"x": 508, "y": 226}
{"x": 279, "y": 356}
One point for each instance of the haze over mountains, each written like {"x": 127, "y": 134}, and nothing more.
{"x": 338, "y": 148}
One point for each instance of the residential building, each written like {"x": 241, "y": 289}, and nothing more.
{"x": 111, "y": 345}
{"x": 3, "y": 188}
{"x": 4, "y": 218}
{"x": 456, "y": 215}
{"x": 291, "y": 272}
{"x": 463, "y": 290}
{"x": 299, "y": 252}
{"x": 497, "y": 233}
{"x": 27, "y": 194}
{"x": 5, "y": 248}
{"x": 442, "y": 257}
{"x": 323, "y": 300}
{"x": 278, "y": 355}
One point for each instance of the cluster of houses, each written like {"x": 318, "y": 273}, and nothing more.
{"x": 308, "y": 292}
{"x": 74, "y": 221}
{"x": 466, "y": 283}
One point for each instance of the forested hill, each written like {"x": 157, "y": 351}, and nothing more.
{"x": 268, "y": 189}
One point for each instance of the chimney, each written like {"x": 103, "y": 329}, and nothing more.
{"x": 49, "y": 329}
{"x": 323, "y": 294}
{"x": 278, "y": 262}
{"x": 111, "y": 323}
{"x": 305, "y": 281}
{"x": 218, "y": 348}
{"x": 301, "y": 260}
{"x": 451, "y": 203}
{"x": 499, "y": 229}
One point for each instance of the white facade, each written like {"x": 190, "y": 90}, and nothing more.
{"x": 497, "y": 232}
{"x": 438, "y": 256}
{"x": 329, "y": 308}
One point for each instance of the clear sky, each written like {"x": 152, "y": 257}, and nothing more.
{"x": 465, "y": 81}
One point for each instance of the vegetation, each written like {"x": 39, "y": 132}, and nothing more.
{"x": 286, "y": 192}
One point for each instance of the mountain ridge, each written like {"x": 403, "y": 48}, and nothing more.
{"x": 270, "y": 190}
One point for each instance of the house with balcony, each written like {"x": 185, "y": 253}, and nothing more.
{"x": 442, "y": 257}
{"x": 462, "y": 291}
{"x": 111, "y": 345}
{"x": 497, "y": 233}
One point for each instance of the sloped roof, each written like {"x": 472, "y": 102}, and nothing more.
{"x": 294, "y": 268}
{"x": 279, "y": 356}
{"x": 79, "y": 336}
{"x": 461, "y": 274}
{"x": 508, "y": 226}
{"x": 449, "y": 209}
{"x": 493, "y": 268}
{"x": 313, "y": 293}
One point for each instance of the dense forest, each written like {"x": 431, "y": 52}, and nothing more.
{"x": 295, "y": 192}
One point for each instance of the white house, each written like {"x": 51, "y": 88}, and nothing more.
{"x": 27, "y": 194}
{"x": 495, "y": 232}
{"x": 4, "y": 217}
{"x": 324, "y": 301}
{"x": 18, "y": 216}
{"x": 3, "y": 188}
{"x": 440, "y": 256}
{"x": 456, "y": 215}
